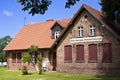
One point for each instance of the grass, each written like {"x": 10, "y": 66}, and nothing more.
{"x": 17, "y": 75}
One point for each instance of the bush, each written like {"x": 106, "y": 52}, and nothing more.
{"x": 24, "y": 70}
{"x": 39, "y": 61}
{"x": 26, "y": 57}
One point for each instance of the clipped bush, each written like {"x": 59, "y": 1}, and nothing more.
{"x": 24, "y": 70}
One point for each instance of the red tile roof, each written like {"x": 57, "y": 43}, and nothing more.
{"x": 35, "y": 34}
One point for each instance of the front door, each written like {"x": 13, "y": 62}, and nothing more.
{"x": 54, "y": 61}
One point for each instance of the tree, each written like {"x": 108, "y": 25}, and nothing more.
{"x": 40, "y": 6}
{"x": 3, "y": 42}
{"x": 33, "y": 49}
{"x": 26, "y": 58}
{"x": 111, "y": 9}
{"x": 36, "y": 57}
{"x": 39, "y": 62}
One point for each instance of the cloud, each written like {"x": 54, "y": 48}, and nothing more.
{"x": 7, "y": 13}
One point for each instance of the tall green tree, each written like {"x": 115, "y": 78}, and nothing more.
{"x": 111, "y": 8}
{"x": 34, "y": 51}
{"x": 40, "y": 6}
{"x": 3, "y": 42}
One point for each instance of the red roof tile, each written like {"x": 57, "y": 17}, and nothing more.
{"x": 34, "y": 34}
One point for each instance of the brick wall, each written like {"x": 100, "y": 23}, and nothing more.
{"x": 47, "y": 57}
{"x": 97, "y": 68}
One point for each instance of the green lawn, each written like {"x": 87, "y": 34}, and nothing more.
{"x": 17, "y": 75}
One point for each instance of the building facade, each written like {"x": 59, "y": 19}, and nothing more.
{"x": 88, "y": 46}
{"x": 85, "y": 44}
{"x": 42, "y": 35}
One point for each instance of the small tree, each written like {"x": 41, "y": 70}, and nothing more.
{"x": 34, "y": 50}
{"x": 26, "y": 58}
{"x": 39, "y": 62}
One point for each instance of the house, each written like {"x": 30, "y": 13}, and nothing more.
{"x": 85, "y": 44}
{"x": 89, "y": 45}
{"x": 42, "y": 35}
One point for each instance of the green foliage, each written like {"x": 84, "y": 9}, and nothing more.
{"x": 111, "y": 8}
{"x": 3, "y": 42}
{"x": 24, "y": 70}
{"x": 70, "y": 3}
{"x": 39, "y": 62}
{"x": 33, "y": 49}
{"x": 35, "y": 6}
{"x": 40, "y": 6}
{"x": 26, "y": 57}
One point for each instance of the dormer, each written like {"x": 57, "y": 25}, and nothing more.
{"x": 56, "y": 30}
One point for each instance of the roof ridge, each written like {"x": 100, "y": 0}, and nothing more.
{"x": 87, "y": 6}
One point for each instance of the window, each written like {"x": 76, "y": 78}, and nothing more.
{"x": 106, "y": 52}
{"x": 92, "y": 31}
{"x": 80, "y": 53}
{"x": 33, "y": 57}
{"x": 14, "y": 57}
{"x": 19, "y": 56}
{"x": 57, "y": 33}
{"x": 68, "y": 53}
{"x": 80, "y": 31}
{"x": 92, "y": 53}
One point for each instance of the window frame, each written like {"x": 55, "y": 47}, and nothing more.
{"x": 19, "y": 57}
{"x": 80, "y": 31}
{"x": 56, "y": 34}
{"x": 14, "y": 57}
{"x": 66, "y": 54}
{"x": 92, "y": 30}
{"x": 92, "y": 57}
{"x": 78, "y": 53}
{"x": 105, "y": 53}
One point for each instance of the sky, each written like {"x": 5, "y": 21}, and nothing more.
{"x": 12, "y": 18}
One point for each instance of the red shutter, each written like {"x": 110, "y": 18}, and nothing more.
{"x": 107, "y": 53}
{"x": 92, "y": 53}
{"x": 79, "y": 53}
{"x": 68, "y": 53}
{"x": 19, "y": 56}
{"x": 13, "y": 57}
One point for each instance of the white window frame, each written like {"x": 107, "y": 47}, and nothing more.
{"x": 56, "y": 34}
{"x": 80, "y": 31}
{"x": 92, "y": 31}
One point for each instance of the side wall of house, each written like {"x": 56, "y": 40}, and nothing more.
{"x": 86, "y": 67}
{"x": 47, "y": 59}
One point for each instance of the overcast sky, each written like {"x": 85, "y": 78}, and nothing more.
{"x": 12, "y": 17}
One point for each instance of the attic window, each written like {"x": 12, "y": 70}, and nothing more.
{"x": 86, "y": 16}
{"x": 56, "y": 34}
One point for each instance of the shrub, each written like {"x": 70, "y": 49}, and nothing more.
{"x": 24, "y": 70}
{"x": 39, "y": 61}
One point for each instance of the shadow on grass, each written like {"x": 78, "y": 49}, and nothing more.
{"x": 32, "y": 73}
{"x": 106, "y": 78}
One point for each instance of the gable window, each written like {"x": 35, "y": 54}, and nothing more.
{"x": 92, "y": 53}
{"x": 92, "y": 31}
{"x": 68, "y": 53}
{"x": 80, "y": 53}
{"x": 56, "y": 34}
{"x": 19, "y": 57}
{"x": 14, "y": 57}
{"x": 80, "y": 31}
{"x": 106, "y": 52}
